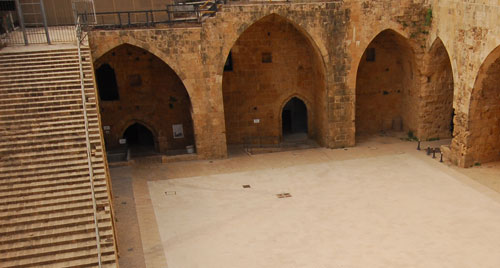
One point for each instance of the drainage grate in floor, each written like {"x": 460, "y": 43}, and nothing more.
{"x": 170, "y": 193}
{"x": 284, "y": 195}
{"x": 246, "y": 186}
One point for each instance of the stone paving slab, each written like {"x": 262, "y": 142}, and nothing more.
{"x": 386, "y": 211}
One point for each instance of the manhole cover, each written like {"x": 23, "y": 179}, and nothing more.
{"x": 246, "y": 186}
{"x": 170, "y": 193}
{"x": 284, "y": 195}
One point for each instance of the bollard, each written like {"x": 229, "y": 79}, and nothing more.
{"x": 428, "y": 150}
{"x": 433, "y": 153}
{"x": 418, "y": 145}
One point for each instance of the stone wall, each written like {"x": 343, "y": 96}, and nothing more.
{"x": 150, "y": 93}
{"x": 448, "y": 51}
{"x": 256, "y": 89}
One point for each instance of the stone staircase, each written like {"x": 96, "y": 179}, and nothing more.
{"x": 46, "y": 207}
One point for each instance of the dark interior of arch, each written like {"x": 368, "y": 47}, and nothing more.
{"x": 139, "y": 135}
{"x": 271, "y": 60}
{"x": 484, "y": 116}
{"x": 106, "y": 83}
{"x": 384, "y": 85}
{"x": 294, "y": 117}
{"x": 150, "y": 91}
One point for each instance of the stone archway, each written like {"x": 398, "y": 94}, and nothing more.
{"x": 386, "y": 83}
{"x": 271, "y": 60}
{"x": 483, "y": 142}
{"x": 436, "y": 112}
{"x": 149, "y": 91}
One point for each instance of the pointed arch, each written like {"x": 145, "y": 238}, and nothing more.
{"x": 319, "y": 48}
{"x": 483, "y": 143}
{"x": 272, "y": 60}
{"x": 386, "y": 85}
{"x": 436, "y": 107}
{"x": 151, "y": 93}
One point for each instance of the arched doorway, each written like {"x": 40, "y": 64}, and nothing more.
{"x": 294, "y": 119}
{"x": 140, "y": 139}
{"x": 436, "y": 109}
{"x": 270, "y": 61}
{"x": 483, "y": 142}
{"x": 386, "y": 86}
{"x": 149, "y": 91}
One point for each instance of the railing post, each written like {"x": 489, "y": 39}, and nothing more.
{"x": 147, "y": 19}
{"x": 128, "y": 14}
{"x": 44, "y": 17}
{"x": 21, "y": 22}
{"x": 119, "y": 19}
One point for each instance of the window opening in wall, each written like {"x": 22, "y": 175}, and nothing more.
{"x": 106, "y": 83}
{"x": 228, "y": 66}
{"x": 370, "y": 54}
{"x": 267, "y": 57}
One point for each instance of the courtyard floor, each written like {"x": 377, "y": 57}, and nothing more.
{"x": 379, "y": 204}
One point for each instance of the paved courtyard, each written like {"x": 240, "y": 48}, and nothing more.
{"x": 380, "y": 204}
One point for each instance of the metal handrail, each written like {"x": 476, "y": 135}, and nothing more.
{"x": 87, "y": 140}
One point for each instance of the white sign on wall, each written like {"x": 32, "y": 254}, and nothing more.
{"x": 122, "y": 141}
{"x": 256, "y": 121}
{"x": 106, "y": 127}
{"x": 178, "y": 131}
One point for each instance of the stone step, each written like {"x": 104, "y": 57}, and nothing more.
{"x": 66, "y": 221}
{"x": 35, "y": 200}
{"x": 5, "y": 83}
{"x": 39, "y": 97}
{"x": 7, "y": 93}
{"x": 46, "y": 216}
{"x": 34, "y": 111}
{"x": 67, "y": 254}
{"x": 33, "y": 103}
{"x": 13, "y": 162}
{"x": 34, "y": 129}
{"x": 46, "y": 121}
{"x": 19, "y": 144}
{"x": 27, "y": 246}
{"x": 39, "y": 156}
{"x": 8, "y": 172}
{"x": 60, "y": 231}
{"x": 70, "y": 80}
{"x": 20, "y": 208}
{"x": 68, "y": 175}
{"x": 37, "y": 63}
{"x": 44, "y": 56}
{"x": 40, "y": 71}
{"x": 38, "y": 52}
{"x": 60, "y": 161}
{"x": 29, "y": 74}
{"x": 37, "y": 67}
{"x": 41, "y": 185}
{"x": 52, "y": 146}
{"x": 78, "y": 130}
{"x": 51, "y": 188}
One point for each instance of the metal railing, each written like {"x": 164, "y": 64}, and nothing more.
{"x": 80, "y": 37}
{"x": 24, "y": 22}
{"x": 177, "y": 13}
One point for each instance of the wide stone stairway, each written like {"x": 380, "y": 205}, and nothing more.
{"x": 47, "y": 213}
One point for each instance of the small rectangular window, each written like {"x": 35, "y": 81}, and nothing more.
{"x": 370, "y": 54}
{"x": 267, "y": 57}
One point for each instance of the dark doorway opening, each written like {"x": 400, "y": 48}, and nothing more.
{"x": 140, "y": 139}
{"x": 294, "y": 117}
